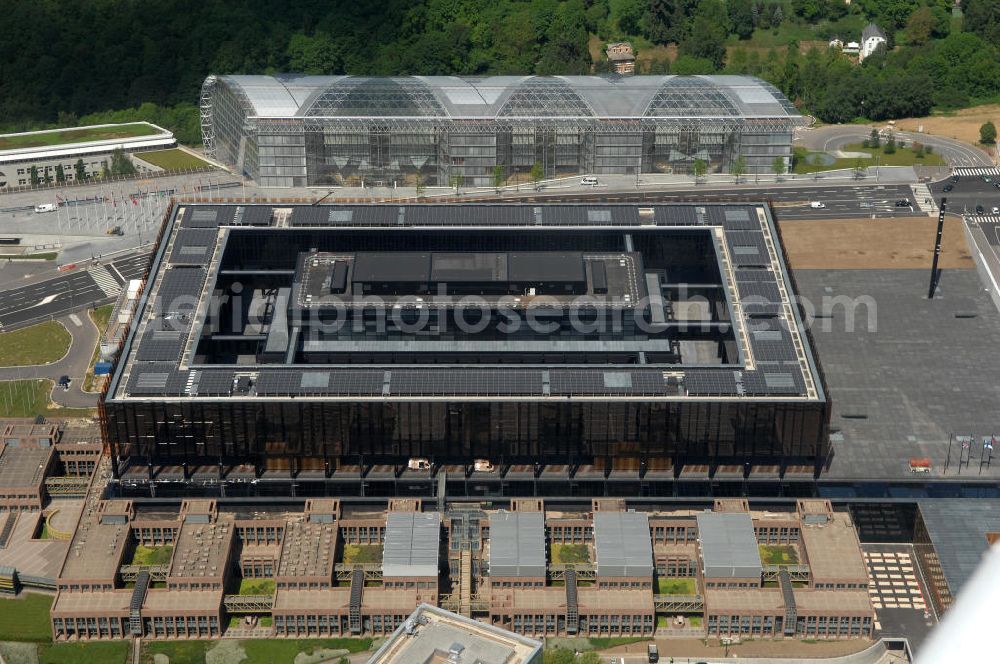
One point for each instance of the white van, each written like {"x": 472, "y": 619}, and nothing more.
{"x": 589, "y": 181}
{"x": 45, "y": 207}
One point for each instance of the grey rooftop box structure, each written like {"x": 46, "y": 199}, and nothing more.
{"x": 728, "y": 546}
{"x": 517, "y": 544}
{"x": 623, "y": 545}
{"x": 412, "y": 541}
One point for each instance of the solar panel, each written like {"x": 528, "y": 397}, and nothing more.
{"x": 710, "y": 382}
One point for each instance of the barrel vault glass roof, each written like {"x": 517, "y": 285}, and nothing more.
{"x": 453, "y": 97}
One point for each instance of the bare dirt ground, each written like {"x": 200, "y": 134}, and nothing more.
{"x": 856, "y": 244}
{"x": 697, "y": 648}
{"x": 962, "y": 124}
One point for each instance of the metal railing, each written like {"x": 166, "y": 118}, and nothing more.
{"x": 248, "y": 603}
{"x": 130, "y": 573}
{"x": 683, "y": 603}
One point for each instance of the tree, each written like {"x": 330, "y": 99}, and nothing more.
{"x": 60, "y": 173}
{"x": 890, "y": 145}
{"x": 988, "y": 134}
{"x": 80, "y": 170}
{"x": 121, "y": 164}
{"x": 982, "y": 17}
{"x": 498, "y": 177}
{"x": 778, "y": 166}
{"x": 921, "y": 25}
{"x": 738, "y": 167}
{"x": 421, "y": 188}
{"x": 537, "y": 173}
{"x": 456, "y": 181}
{"x": 589, "y": 657}
{"x": 859, "y": 168}
{"x": 698, "y": 169}
{"x": 33, "y": 174}
{"x": 874, "y": 140}
{"x": 707, "y": 37}
{"x": 741, "y": 17}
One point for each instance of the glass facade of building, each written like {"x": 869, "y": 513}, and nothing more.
{"x": 290, "y": 130}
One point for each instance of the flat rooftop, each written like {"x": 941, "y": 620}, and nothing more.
{"x": 704, "y": 288}
{"x": 622, "y": 544}
{"x": 160, "y": 600}
{"x": 833, "y": 549}
{"x": 307, "y": 549}
{"x": 959, "y": 529}
{"x": 96, "y": 550}
{"x": 432, "y": 634}
{"x": 202, "y": 549}
{"x": 728, "y": 545}
{"x": 23, "y": 466}
{"x": 808, "y": 599}
{"x": 412, "y": 544}
{"x": 76, "y": 603}
{"x": 517, "y": 544}
{"x": 744, "y": 599}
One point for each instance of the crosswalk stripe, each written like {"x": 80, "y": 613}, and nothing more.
{"x": 105, "y": 281}
{"x": 969, "y": 170}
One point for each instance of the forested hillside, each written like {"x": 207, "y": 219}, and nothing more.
{"x": 61, "y": 62}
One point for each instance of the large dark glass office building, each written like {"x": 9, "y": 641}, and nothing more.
{"x": 292, "y": 130}
{"x": 302, "y": 339}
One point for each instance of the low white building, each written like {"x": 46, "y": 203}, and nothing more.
{"x": 871, "y": 38}
{"x": 48, "y": 149}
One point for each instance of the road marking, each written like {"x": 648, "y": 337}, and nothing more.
{"x": 76, "y": 320}
{"x": 46, "y": 300}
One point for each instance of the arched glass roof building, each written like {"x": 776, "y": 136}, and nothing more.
{"x": 294, "y": 130}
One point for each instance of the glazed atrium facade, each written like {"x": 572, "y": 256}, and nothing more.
{"x": 294, "y": 130}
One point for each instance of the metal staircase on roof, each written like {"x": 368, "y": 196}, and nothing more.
{"x": 572, "y": 603}
{"x": 791, "y": 614}
{"x": 135, "y": 603}
{"x": 357, "y": 590}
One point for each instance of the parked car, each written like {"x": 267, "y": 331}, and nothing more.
{"x": 45, "y": 207}
{"x": 903, "y": 202}
{"x": 986, "y": 178}
{"x": 949, "y": 187}
{"x": 979, "y": 209}
{"x": 996, "y": 210}
{"x": 64, "y": 382}
{"x": 817, "y": 205}
{"x": 652, "y": 654}
{"x": 954, "y": 178}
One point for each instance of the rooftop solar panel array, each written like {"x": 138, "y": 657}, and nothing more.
{"x": 182, "y": 277}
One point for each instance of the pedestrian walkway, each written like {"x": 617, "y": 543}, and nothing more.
{"x": 922, "y": 195}
{"x": 965, "y": 170}
{"x": 105, "y": 280}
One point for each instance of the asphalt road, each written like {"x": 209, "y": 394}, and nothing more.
{"x": 851, "y": 200}
{"x": 967, "y": 193}
{"x": 82, "y": 287}
{"x": 831, "y": 138}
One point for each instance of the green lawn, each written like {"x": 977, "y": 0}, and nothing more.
{"x": 152, "y": 555}
{"x": 362, "y": 553}
{"x": 39, "y": 344}
{"x": 101, "y": 317}
{"x": 809, "y": 162}
{"x": 179, "y": 652}
{"x": 570, "y": 553}
{"x": 30, "y": 398}
{"x": 676, "y": 586}
{"x": 271, "y": 651}
{"x": 694, "y": 621}
{"x": 93, "y": 652}
{"x": 778, "y": 554}
{"x": 257, "y": 587}
{"x": 173, "y": 160}
{"x": 64, "y": 136}
{"x": 26, "y": 618}
{"x": 44, "y": 256}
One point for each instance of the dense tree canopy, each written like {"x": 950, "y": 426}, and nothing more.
{"x": 66, "y": 62}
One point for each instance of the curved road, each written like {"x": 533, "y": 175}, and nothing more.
{"x": 833, "y": 137}
{"x": 74, "y": 364}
